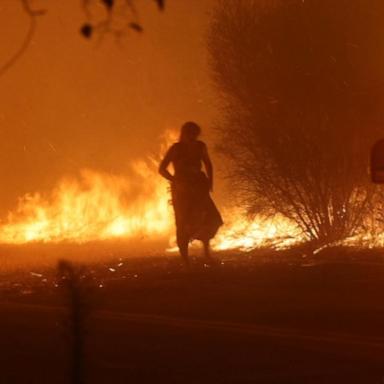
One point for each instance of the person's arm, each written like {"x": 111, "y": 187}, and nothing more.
{"x": 208, "y": 167}
{"x": 163, "y": 168}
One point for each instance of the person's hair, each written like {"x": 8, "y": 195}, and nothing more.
{"x": 191, "y": 129}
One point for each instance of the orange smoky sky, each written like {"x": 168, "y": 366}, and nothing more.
{"x": 71, "y": 103}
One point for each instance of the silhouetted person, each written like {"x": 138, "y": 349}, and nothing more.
{"x": 195, "y": 212}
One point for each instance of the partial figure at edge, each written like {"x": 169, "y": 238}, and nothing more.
{"x": 196, "y": 215}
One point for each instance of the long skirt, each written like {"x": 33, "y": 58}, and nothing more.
{"x": 197, "y": 217}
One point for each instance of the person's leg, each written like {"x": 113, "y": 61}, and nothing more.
{"x": 182, "y": 239}
{"x": 207, "y": 253}
{"x": 182, "y": 243}
{"x": 207, "y": 250}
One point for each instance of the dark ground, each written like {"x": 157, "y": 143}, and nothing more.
{"x": 261, "y": 317}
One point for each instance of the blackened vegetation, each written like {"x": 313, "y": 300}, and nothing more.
{"x": 113, "y": 9}
{"x": 108, "y": 3}
{"x": 90, "y": 27}
{"x": 135, "y": 26}
{"x": 76, "y": 289}
{"x": 303, "y": 95}
{"x": 86, "y": 30}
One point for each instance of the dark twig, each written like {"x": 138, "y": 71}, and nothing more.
{"x": 87, "y": 29}
{"x": 32, "y": 14}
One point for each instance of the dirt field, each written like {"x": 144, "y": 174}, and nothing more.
{"x": 261, "y": 317}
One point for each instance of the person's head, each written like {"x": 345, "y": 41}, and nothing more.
{"x": 190, "y": 131}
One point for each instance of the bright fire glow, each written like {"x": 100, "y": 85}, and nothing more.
{"x": 95, "y": 206}
{"x": 247, "y": 234}
{"x": 100, "y": 206}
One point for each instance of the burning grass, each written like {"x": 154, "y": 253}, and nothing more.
{"x": 104, "y": 209}
{"x": 95, "y": 206}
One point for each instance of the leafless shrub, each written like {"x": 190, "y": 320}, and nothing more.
{"x": 302, "y": 91}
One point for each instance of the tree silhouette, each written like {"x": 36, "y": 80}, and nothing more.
{"x": 302, "y": 87}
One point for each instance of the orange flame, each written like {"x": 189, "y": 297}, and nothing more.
{"x": 96, "y": 206}
{"x": 100, "y": 206}
{"x": 246, "y": 234}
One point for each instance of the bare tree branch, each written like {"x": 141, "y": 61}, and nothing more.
{"x": 33, "y": 15}
{"x": 106, "y": 25}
